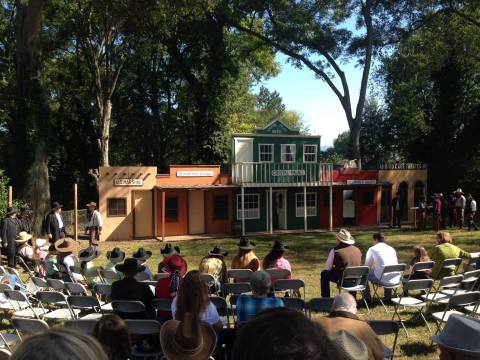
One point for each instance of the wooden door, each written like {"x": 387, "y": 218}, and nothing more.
{"x": 196, "y": 212}
{"x": 143, "y": 214}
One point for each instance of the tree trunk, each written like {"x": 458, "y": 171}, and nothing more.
{"x": 355, "y": 142}
{"x": 106, "y": 115}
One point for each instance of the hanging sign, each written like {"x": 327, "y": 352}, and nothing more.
{"x": 362, "y": 182}
{"x": 298, "y": 172}
{"x": 195, "y": 173}
{"x": 128, "y": 182}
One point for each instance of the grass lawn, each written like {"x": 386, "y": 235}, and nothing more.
{"x": 307, "y": 255}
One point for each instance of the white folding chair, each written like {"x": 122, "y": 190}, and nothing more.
{"x": 129, "y": 308}
{"x": 222, "y": 308}
{"x": 28, "y": 326}
{"x": 84, "y": 304}
{"x": 448, "y": 264}
{"x": 389, "y": 271}
{"x": 75, "y": 288}
{"x": 354, "y": 279}
{"x": 85, "y": 326}
{"x": 239, "y": 275}
{"x": 277, "y": 274}
{"x": 139, "y": 328}
{"x": 422, "y": 267}
{"x": 104, "y": 291}
{"x": 142, "y": 276}
{"x": 10, "y": 305}
{"x": 110, "y": 276}
{"x": 447, "y": 287}
{"x": 56, "y": 284}
{"x": 289, "y": 285}
{"x": 40, "y": 284}
{"x": 295, "y": 304}
{"x": 386, "y": 327}
{"x": 456, "y": 301}
{"x": 58, "y": 305}
{"x": 26, "y": 310}
{"x": 320, "y": 304}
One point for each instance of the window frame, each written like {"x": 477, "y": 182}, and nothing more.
{"x": 260, "y": 153}
{"x": 171, "y": 219}
{"x": 226, "y": 212}
{"x": 299, "y": 212}
{"x": 282, "y": 153}
{"x": 109, "y": 214}
{"x": 239, "y": 211}
{"x": 315, "y": 153}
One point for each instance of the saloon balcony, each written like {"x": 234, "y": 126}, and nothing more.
{"x": 282, "y": 174}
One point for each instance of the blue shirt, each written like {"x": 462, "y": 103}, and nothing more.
{"x": 248, "y": 306}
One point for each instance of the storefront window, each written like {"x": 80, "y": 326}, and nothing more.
{"x": 116, "y": 207}
{"x": 288, "y": 153}
{"x": 171, "y": 209}
{"x": 311, "y": 204}
{"x": 220, "y": 207}
{"x": 309, "y": 153}
{"x": 265, "y": 153}
{"x": 252, "y": 206}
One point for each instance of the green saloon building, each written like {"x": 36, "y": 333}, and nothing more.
{"x": 278, "y": 174}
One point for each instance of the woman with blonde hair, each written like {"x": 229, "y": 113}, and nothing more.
{"x": 445, "y": 250}
{"x": 246, "y": 258}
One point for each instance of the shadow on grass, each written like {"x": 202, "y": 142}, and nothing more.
{"x": 417, "y": 348}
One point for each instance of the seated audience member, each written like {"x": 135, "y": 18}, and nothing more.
{"x": 275, "y": 259}
{"x": 167, "y": 288}
{"x": 39, "y": 254}
{"x": 167, "y": 251}
{"x": 282, "y": 334}
{"x": 142, "y": 255}
{"x": 341, "y": 256}
{"x": 248, "y": 306}
{"x": 114, "y": 257}
{"x": 187, "y": 339}
{"x": 214, "y": 264}
{"x": 344, "y": 317}
{"x": 58, "y": 344}
{"x": 192, "y": 297}
{"x": 130, "y": 289}
{"x": 378, "y": 256}
{"x": 445, "y": 250}
{"x": 85, "y": 264}
{"x": 112, "y": 333}
{"x": 420, "y": 254}
{"x": 51, "y": 269}
{"x": 246, "y": 258}
{"x": 65, "y": 248}
{"x": 348, "y": 347}
{"x": 24, "y": 250}
{"x": 459, "y": 339}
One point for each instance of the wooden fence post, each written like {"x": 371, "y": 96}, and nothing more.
{"x": 75, "y": 212}
{"x": 10, "y": 196}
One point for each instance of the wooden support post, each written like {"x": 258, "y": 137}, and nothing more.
{"x": 305, "y": 223}
{"x": 163, "y": 215}
{"x": 243, "y": 210}
{"x": 10, "y": 196}
{"x": 75, "y": 212}
{"x": 331, "y": 208}
{"x": 270, "y": 209}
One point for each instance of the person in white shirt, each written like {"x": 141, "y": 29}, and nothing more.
{"x": 378, "y": 256}
{"x": 55, "y": 226}
{"x": 95, "y": 224}
{"x": 472, "y": 209}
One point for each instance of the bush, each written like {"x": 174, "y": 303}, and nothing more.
{"x": 4, "y": 180}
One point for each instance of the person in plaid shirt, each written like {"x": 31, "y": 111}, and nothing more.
{"x": 248, "y": 306}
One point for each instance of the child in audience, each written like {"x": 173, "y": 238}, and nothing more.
{"x": 39, "y": 255}
{"x": 87, "y": 268}
{"x": 214, "y": 264}
{"x": 142, "y": 255}
{"x": 246, "y": 258}
{"x": 275, "y": 259}
{"x": 114, "y": 257}
{"x": 420, "y": 254}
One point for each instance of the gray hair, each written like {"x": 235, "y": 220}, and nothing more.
{"x": 345, "y": 302}
{"x": 58, "y": 344}
{"x": 260, "y": 282}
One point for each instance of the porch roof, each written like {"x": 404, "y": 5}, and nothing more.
{"x": 196, "y": 187}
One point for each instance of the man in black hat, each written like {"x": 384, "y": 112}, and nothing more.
{"x": 397, "y": 208}
{"x": 54, "y": 224}
{"x": 130, "y": 289}
{"x": 10, "y": 230}
{"x": 95, "y": 224}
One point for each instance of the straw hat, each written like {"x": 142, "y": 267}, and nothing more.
{"x": 66, "y": 245}
{"x": 41, "y": 244}
{"x": 88, "y": 254}
{"x": 461, "y": 335}
{"x": 345, "y": 237}
{"x": 91, "y": 203}
{"x": 348, "y": 346}
{"x": 187, "y": 339}
{"x": 116, "y": 255}
{"x": 23, "y": 237}
{"x": 246, "y": 244}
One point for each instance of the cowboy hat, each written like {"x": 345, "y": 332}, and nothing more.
{"x": 142, "y": 254}
{"x": 10, "y": 211}
{"x": 345, "y": 237}
{"x": 170, "y": 250}
{"x": 41, "y": 244}
{"x": 66, "y": 245}
{"x": 130, "y": 265}
{"x": 246, "y": 244}
{"x": 56, "y": 205}
{"x": 116, "y": 255}
{"x": 88, "y": 254}
{"x": 348, "y": 346}
{"x": 91, "y": 203}
{"x": 23, "y": 237}
{"x": 279, "y": 245}
{"x": 187, "y": 339}
{"x": 459, "y": 191}
{"x": 461, "y": 334}
{"x": 218, "y": 251}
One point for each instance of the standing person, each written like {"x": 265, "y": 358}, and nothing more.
{"x": 246, "y": 258}
{"x": 379, "y": 256}
{"x": 444, "y": 212}
{"x": 471, "y": 213}
{"x": 341, "y": 256}
{"x": 24, "y": 219}
{"x": 10, "y": 230}
{"x": 451, "y": 210}
{"x": 95, "y": 223}
{"x": 437, "y": 212}
{"x": 422, "y": 213}
{"x": 397, "y": 207}
{"x": 54, "y": 224}
{"x": 460, "y": 204}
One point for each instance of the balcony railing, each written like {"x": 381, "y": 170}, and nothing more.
{"x": 285, "y": 174}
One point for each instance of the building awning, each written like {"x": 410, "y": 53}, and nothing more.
{"x": 195, "y": 187}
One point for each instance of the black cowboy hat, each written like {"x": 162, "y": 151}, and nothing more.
{"x": 278, "y": 245}
{"x": 116, "y": 255}
{"x": 142, "y": 254}
{"x": 24, "y": 208}
{"x": 218, "y": 251}
{"x": 10, "y": 211}
{"x": 56, "y": 205}
{"x": 88, "y": 254}
{"x": 246, "y": 244}
{"x": 169, "y": 250}
{"x": 130, "y": 265}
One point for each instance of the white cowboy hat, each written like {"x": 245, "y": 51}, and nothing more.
{"x": 23, "y": 237}
{"x": 345, "y": 237}
{"x": 459, "y": 190}
{"x": 461, "y": 335}
{"x": 41, "y": 244}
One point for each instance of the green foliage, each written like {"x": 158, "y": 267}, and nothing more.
{"x": 4, "y": 182}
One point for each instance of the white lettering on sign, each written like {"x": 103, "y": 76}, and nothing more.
{"x": 128, "y": 182}
{"x": 361, "y": 182}
{"x": 195, "y": 173}
{"x": 299, "y": 172}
